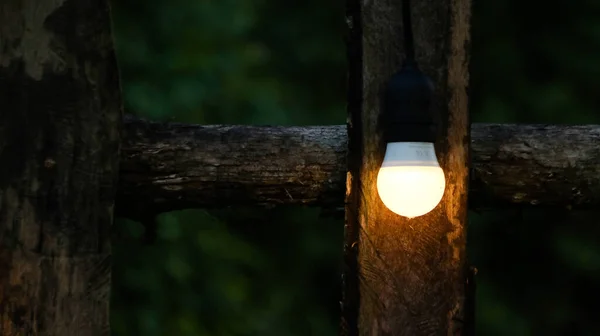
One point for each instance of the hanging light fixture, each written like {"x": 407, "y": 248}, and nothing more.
{"x": 410, "y": 182}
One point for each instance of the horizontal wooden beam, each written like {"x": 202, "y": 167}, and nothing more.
{"x": 172, "y": 166}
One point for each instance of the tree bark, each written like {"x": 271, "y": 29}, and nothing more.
{"x": 60, "y": 115}
{"x": 171, "y": 166}
{"x": 406, "y": 276}
{"x": 553, "y": 165}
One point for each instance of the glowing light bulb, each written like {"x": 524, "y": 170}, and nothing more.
{"x": 410, "y": 182}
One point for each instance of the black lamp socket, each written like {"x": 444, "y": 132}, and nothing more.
{"x": 407, "y": 114}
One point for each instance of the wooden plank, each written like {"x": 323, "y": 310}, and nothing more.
{"x": 411, "y": 272}
{"x": 60, "y": 116}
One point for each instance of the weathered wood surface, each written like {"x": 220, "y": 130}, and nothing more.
{"x": 169, "y": 166}
{"x": 60, "y": 117}
{"x": 554, "y": 165}
{"x": 411, "y": 272}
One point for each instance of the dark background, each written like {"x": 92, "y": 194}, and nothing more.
{"x": 249, "y": 271}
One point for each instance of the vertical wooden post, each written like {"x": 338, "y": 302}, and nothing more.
{"x": 406, "y": 277}
{"x": 60, "y": 116}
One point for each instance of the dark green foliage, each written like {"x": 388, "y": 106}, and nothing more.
{"x": 269, "y": 275}
{"x": 276, "y": 272}
{"x": 535, "y": 62}
{"x": 250, "y": 62}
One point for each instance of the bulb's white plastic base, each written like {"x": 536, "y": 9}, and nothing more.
{"x": 410, "y": 182}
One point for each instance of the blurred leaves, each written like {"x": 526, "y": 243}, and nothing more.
{"x": 205, "y": 278}
{"x": 231, "y": 62}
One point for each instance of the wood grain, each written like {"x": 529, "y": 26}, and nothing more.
{"x": 171, "y": 166}
{"x": 60, "y": 116}
{"x": 411, "y": 272}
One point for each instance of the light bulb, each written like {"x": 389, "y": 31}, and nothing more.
{"x": 410, "y": 182}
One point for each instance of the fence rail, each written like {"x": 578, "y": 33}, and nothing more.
{"x": 171, "y": 166}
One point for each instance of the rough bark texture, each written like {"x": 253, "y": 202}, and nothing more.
{"x": 60, "y": 115}
{"x": 411, "y": 273}
{"x": 555, "y": 165}
{"x": 169, "y": 166}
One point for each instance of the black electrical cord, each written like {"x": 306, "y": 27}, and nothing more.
{"x": 409, "y": 93}
{"x": 409, "y": 44}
